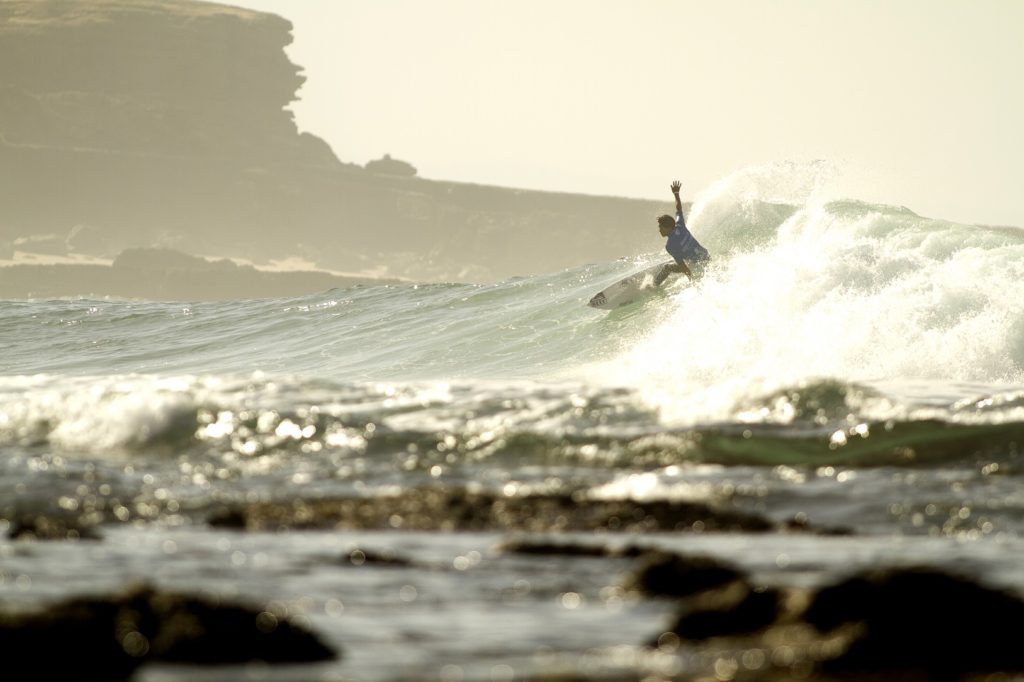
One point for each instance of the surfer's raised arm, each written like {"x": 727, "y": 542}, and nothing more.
{"x": 676, "y": 186}
{"x": 690, "y": 256}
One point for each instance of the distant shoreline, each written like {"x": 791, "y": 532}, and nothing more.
{"x": 166, "y": 275}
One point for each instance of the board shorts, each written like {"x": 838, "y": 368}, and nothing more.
{"x": 698, "y": 267}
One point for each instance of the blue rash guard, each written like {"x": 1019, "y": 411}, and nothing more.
{"x": 682, "y": 246}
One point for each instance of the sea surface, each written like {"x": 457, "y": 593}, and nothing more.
{"x": 850, "y": 366}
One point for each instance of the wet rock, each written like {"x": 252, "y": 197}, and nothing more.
{"x": 738, "y": 609}
{"x": 229, "y": 518}
{"x": 664, "y": 574}
{"x": 921, "y": 620}
{"x": 51, "y": 528}
{"x": 572, "y": 549}
{"x": 461, "y": 510}
{"x": 892, "y": 625}
{"x": 95, "y": 638}
{"x": 386, "y": 557}
{"x": 538, "y": 548}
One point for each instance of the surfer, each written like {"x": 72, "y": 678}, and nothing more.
{"x": 691, "y": 257}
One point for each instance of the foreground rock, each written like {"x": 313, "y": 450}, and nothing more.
{"x": 884, "y": 625}
{"x": 921, "y": 620}
{"x": 43, "y": 527}
{"x": 665, "y": 574}
{"x": 109, "y": 638}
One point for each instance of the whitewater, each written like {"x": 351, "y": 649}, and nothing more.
{"x": 847, "y": 364}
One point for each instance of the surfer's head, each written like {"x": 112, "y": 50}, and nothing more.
{"x": 666, "y": 223}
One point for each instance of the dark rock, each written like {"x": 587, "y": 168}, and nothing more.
{"x": 924, "y": 620}
{"x": 894, "y": 625}
{"x": 738, "y": 609}
{"x": 386, "y": 557}
{"x": 234, "y": 519}
{"x": 663, "y": 574}
{"x": 94, "y": 638}
{"x": 555, "y": 549}
{"x": 451, "y": 510}
{"x": 200, "y": 631}
{"x": 51, "y": 528}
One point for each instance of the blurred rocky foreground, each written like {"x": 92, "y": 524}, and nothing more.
{"x": 888, "y": 624}
{"x": 158, "y": 123}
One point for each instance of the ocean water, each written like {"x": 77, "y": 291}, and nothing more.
{"x": 856, "y": 367}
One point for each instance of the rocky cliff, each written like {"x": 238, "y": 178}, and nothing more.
{"x": 160, "y": 123}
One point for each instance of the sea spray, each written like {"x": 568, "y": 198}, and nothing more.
{"x": 842, "y": 291}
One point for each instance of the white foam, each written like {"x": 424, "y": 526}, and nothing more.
{"x": 842, "y": 290}
{"x": 93, "y": 415}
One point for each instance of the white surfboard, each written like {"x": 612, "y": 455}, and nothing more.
{"x": 628, "y": 290}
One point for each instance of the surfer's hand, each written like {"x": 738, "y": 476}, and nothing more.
{"x": 676, "y": 186}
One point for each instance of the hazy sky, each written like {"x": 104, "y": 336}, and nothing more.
{"x": 917, "y": 102}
